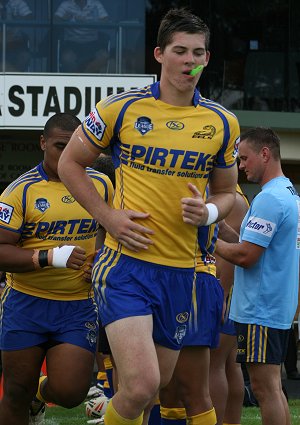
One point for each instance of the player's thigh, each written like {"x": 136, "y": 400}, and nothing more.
{"x": 69, "y": 367}
{"x": 133, "y": 349}
{"x": 167, "y": 359}
{"x": 21, "y": 371}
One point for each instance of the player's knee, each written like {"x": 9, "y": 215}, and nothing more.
{"x": 142, "y": 389}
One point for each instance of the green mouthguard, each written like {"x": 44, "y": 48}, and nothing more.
{"x": 196, "y": 70}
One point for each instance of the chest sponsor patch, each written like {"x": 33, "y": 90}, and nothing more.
{"x": 6, "y": 212}
{"x": 259, "y": 225}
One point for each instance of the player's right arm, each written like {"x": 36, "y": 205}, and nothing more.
{"x": 78, "y": 154}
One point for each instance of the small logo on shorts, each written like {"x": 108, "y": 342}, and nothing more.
{"x": 91, "y": 336}
{"x": 182, "y": 317}
{"x": 90, "y": 325}
{"x": 180, "y": 333}
{"x": 241, "y": 338}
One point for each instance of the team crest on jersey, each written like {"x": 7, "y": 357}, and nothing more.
{"x": 182, "y": 317}
{"x": 175, "y": 125}
{"x": 208, "y": 132}
{"x": 41, "y": 204}
{"x": 180, "y": 333}
{"x": 6, "y": 212}
{"x": 143, "y": 125}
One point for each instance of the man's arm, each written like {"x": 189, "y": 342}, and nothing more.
{"x": 222, "y": 188}
{"x": 78, "y": 154}
{"x": 20, "y": 260}
{"x": 244, "y": 254}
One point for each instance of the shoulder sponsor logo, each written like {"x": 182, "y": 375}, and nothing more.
{"x": 6, "y": 212}
{"x": 68, "y": 199}
{"x": 259, "y": 225}
{"x": 95, "y": 124}
{"x": 175, "y": 125}
{"x": 41, "y": 204}
{"x": 236, "y": 148}
{"x": 182, "y": 317}
{"x": 143, "y": 125}
{"x": 208, "y": 132}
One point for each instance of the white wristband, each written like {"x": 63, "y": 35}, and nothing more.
{"x": 213, "y": 214}
{"x": 61, "y": 255}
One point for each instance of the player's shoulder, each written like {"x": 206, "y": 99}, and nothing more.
{"x": 217, "y": 108}
{"x": 132, "y": 95}
{"x": 23, "y": 182}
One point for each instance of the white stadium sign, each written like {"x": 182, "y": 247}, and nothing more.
{"x": 28, "y": 100}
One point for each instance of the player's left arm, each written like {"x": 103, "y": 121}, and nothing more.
{"x": 244, "y": 254}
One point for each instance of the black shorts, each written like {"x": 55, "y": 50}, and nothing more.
{"x": 261, "y": 344}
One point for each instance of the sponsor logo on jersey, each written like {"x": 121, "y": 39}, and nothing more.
{"x": 6, "y": 212}
{"x": 64, "y": 230}
{"x": 259, "y": 225}
{"x": 208, "y": 132}
{"x": 95, "y": 124}
{"x": 180, "y": 333}
{"x": 68, "y": 199}
{"x": 143, "y": 125}
{"x": 175, "y": 125}
{"x": 41, "y": 204}
{"x": 182, "y": 317}
{"x": 236, "y": 148}
{"x": 162, "y": 157}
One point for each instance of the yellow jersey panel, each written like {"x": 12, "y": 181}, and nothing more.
{"x": 157, "y": 150}
{"x": 45, "y": 215}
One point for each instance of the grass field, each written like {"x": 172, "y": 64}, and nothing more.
{"x": 76, "y": 416}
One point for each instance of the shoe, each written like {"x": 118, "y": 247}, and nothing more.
{"x": 95, "y": 391}
{"x": 37, "y": 413}
{"x": 293, "y": 375}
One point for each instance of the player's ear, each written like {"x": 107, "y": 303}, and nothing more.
{"x": 42, "y": 143}
{"x": 158, "y": 54}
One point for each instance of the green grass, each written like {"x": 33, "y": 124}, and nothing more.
{"x": 76, "y": 416}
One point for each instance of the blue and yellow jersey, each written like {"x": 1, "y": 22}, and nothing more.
{"x": 239, "y": 190}
{"x": 45, "y": 215}
{"x": 157, "y": 150}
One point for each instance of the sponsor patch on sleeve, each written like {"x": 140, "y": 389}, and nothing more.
{"x": 6, "y": 212}
{"x": 95, "y": 125}
{"x": 259, "y": 225}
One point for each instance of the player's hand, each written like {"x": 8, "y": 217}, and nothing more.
{"x": 194, "y": 210}
{"x": 87, "y": 272}
{"x": 122, "y": 226}
{"x": 77, "y": 258}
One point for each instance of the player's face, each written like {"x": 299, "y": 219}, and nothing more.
{"x": 185, "y": 52}
{"x": 251, "y": 163}
{"x": 53, "y": 147}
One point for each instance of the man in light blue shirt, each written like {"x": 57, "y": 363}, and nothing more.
{"x": 265, "y": 293}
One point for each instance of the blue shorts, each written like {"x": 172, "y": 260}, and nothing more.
{"x": 261, "y": 344}
{"x": 206, "y": 314}
{"x": 28, "y": 321}
{"x": 127, "y": 287}
{"x": 228, "y": 327}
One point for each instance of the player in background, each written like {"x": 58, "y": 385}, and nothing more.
{"x": 47, "y": 243}
{"x": 266, "y": 278}
{"x": 166, "y": 141}
{"x": 226, "y": 378}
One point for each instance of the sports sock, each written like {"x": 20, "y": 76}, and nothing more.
{"x": 205, "y": 418}
{"x": 154, "y": 418}
{"x": 172, "y": 415}
{"x": 101, "y": 378}
{"x": 112, "y": 417}
{"x": 38, "y": 394}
